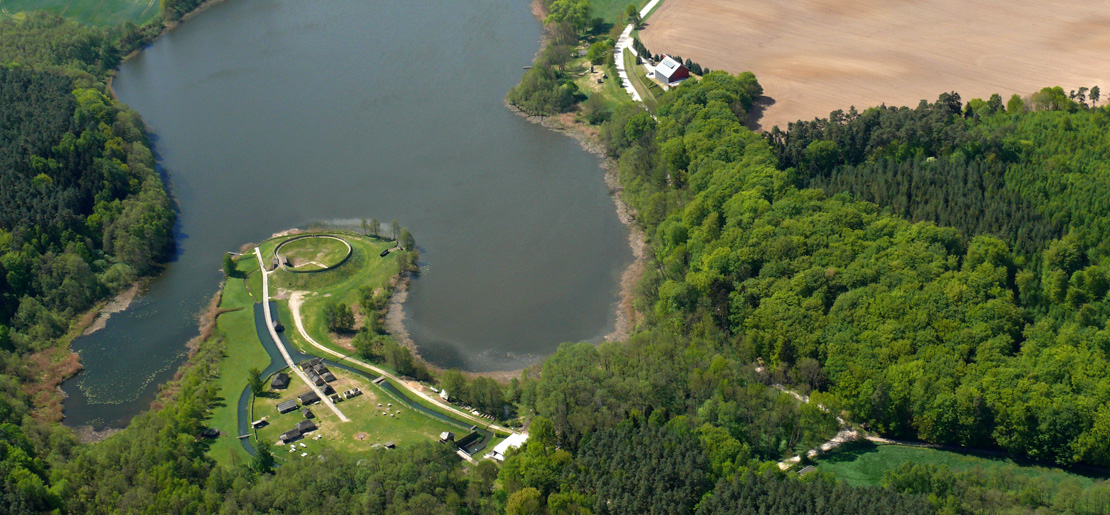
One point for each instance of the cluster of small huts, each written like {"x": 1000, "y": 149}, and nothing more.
{"x": 319, "y": 375}
{"x": 302, "y": 427}
{"x": 317, "y": 372}
{"x": 305, "y": 399}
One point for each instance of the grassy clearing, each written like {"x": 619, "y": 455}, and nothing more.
{"x": 314, "y": 253}
{"x": 243, "y": 351}
{"x": 639, "y": 82}
{"x": 399, "y": 425}
{"x": 294, "y": 336}
{"x": 485, "y": 424}
{"x": 305, "y": 348}
{"x": 612, "y": 94}
{"x": 863, "y": 463}
{"x": 342, "y": 283}
{"x": 365, "y": 267}
{"x": 254, "y": 280}
{"x": 92, "y": 12}
{"x": 612, "y": 11}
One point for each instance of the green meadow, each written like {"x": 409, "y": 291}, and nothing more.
{"x": 864, "y": 463}
{"x": 93, "y": 12}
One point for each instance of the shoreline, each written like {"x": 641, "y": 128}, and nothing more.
{"x": 118, "y": 304}
{"x": 58, "y": 363}
{"x": 627, "y": 317}
{"x": 97, "y": 318}
{"x": 395, "y": 326}
{"x": 166, "y": 28}
{"x": 206, "y": 325}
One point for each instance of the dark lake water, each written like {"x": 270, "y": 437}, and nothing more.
{"x": 271, "y": 114}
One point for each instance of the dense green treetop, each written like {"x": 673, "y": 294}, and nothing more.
{"x": 922, "y": 331}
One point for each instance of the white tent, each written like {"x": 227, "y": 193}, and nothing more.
{"x": 514, "y": 441}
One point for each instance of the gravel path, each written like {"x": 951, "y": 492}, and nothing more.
{"x": 281, "y": 347}
{"x": 625, "y": 41}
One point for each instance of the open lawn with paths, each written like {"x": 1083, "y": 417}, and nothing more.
{"x": 367, "y": 425}
{"x": 297, "y": 319}
{"x": 281, "y": 347}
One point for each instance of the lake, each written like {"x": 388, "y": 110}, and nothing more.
{"x": 271, "y": 114}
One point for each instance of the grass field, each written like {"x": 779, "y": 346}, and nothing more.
{"x": 815, "y": 57}
{"x": 244, "y": 351}
{"x": 254, "y": 280}
{"x": 863, "y": 463}
{"x": 314, "y": 253}
{"x": 92, "y": 12}
{"x": 612, "y": 11}
{"x": 304, "y": 347}
{"x": 367, "y": 426}
{"x": 363, "y": 267}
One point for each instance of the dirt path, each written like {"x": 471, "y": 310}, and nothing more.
{"x": 849, "y": 434}
{"x": 296, "y": 300}
{"x": 816, "y": 56}
{"x": 845, "y": 435}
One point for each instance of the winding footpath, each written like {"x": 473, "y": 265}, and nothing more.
{"x": 846, "y": 433}
{"x": 281, "y": 347}
{"x": 295, "y": 307}
{"x": 625, "y": 41}
{"x": 850, "y": 434}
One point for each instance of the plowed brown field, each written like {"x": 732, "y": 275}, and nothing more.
{"x": 816, "y": 56}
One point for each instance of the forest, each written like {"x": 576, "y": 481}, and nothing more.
{"x": 937, "y": 273}
{"x": 1025, "y": 186}
{"x": 83, "y": 215}
{"x": 82, "y": 211}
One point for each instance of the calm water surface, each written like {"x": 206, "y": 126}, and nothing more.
{"x": 270, "y": 114}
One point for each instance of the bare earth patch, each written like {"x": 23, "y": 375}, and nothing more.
{"x": 816, "y": 56}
